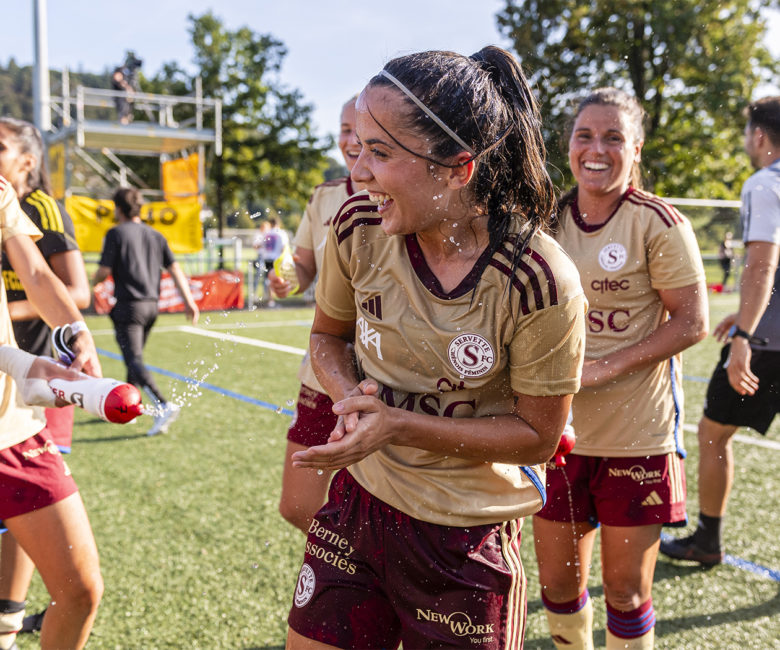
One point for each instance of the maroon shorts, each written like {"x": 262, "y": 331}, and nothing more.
{"x": 33, "y": 475}
{"x": 314, "y": 419}
{"x": 374, "y": 577}
{"x": 59, "y": 424}
{"x": 636, "y": 491}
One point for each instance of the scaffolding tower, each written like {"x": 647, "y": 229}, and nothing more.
{"x": 85, "y": 128}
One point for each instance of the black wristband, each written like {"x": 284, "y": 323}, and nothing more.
{"x": 735, "y": 331}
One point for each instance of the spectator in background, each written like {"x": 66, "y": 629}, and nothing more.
{"x": 745, "y": 387}
{"x": 726, "y": 257}
{"x": 274, "y": 241}
{"x": 39, "y": 500}
{"x": 304, "y": 490}
{"x": 123, "y": 102}
{"x": 22, "y": 163}
{"x": 135, "y": 254}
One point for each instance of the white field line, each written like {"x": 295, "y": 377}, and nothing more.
{"x": 241, "y": 339}
{"x": 221, "y": 326}
{"x": 750, "y": 440}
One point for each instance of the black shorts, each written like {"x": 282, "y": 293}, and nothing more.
{"x": 725, "y": 406}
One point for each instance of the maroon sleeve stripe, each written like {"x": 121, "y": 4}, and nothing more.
{"x": 552, "y": 287}
{"x": 533, "y": 278}
{"x": 352, "y": 205}
{"x": 665, "y": 212}
{"x": 516, "y": 283}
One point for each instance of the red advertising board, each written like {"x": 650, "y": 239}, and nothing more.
{"x": 211, "y": 291}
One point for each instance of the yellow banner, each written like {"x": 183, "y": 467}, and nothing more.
{"x": 57, "y": 170}
{"x": 178, "y": 221}
{"x": 180, "y": 177}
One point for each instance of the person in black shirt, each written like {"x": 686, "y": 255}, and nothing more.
{"x": 134, "y": 254}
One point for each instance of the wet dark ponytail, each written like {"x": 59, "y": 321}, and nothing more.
{"x": 488, "y": 102}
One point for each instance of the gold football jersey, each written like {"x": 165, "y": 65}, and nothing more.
{"x": 17, "y": 420}
{"x": 459, "y": 354}
{"x": 646, "y": 245}
{"x": 312, "y": 233}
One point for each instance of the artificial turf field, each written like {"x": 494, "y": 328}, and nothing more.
{"x": 195, "y": 555}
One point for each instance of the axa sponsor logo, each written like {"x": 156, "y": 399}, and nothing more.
{"x": 637, "y": 473}
{"x": 369, "y": 336}
{"x": 459, "y": 622}
{"x": 471, "y": 355}
{"x": 612, "y": 257}
{"x": 610, "y": 286}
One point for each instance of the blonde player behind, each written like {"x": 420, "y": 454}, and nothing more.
{"x": 39, "y": 500}
{"x": 643, "y": 277}
{"x": 304, "y": 490}
{"x": 468, "y": 331}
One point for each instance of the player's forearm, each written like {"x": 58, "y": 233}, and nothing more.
{"x": 22, "y": 310}
{"x": 756, "y": 284}
{"x": 334, "y": 363}
{"x": 498, "y": 439}
{"x": 182, "y": 284}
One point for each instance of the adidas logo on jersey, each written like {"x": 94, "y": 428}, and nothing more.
{"x": 373, "y": 306}
{"x": 653, "y": 499}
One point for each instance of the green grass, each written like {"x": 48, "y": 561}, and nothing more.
{"x": 195, "y": 555}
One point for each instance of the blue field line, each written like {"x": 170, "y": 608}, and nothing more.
{"x": 698, "y": 380}
{"x": 203, "y": 384}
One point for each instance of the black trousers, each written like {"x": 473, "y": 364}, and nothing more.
{"x": 133, "y": 321}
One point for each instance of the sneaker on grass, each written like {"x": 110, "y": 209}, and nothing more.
{"x": 163, "y": 420}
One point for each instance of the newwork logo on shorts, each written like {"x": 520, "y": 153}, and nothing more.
{"x": 459, "y": 623}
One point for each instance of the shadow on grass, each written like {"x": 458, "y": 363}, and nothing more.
{"x": 669, "y": 626}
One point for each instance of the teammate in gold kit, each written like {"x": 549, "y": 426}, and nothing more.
{"x": 643, "y": 277}
{"x": 449, "y": 332}
{"x": 304, "y": 490}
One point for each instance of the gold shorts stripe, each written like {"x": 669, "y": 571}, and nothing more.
{"x": 676, "y": 478}
{"x": 510, "y": 549}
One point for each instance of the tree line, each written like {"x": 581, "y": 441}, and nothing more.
{"x": 694, "y": 64}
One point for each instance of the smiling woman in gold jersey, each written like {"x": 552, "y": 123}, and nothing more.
{"x": 643, "y": 277}
{"x": 449, "y": 333}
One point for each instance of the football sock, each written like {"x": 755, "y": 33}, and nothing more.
{"x": 571, "y": 623}
{"x": 11, "y": 616}
{"x": 707, "y": 534}
{"x": 634, "y": 630}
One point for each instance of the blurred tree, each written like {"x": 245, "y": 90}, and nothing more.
{"x": 271, "y": 154}
{"x": 693, "y": 64}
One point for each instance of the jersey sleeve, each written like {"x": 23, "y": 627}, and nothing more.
{"x": 673, "y": 256}
{"x": 110, "y": 250}
{"x": 55, "y": 223}
{"x": 335, "y": 294}
{"x": 548, "y": 346}
{"x": 761, "y": 205}
{"x": 167, "y": 253}
{"x": 303, "y": 236}
{"x": 13, "y": 221}
{"x": 546, "y": 353}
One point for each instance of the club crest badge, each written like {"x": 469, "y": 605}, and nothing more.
{"x": 305, "y": 587}
{"x": 612, "y": 257}
{"x": 471, "y": 355}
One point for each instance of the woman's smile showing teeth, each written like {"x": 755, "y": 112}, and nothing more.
{"x": 595, "y": 166}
